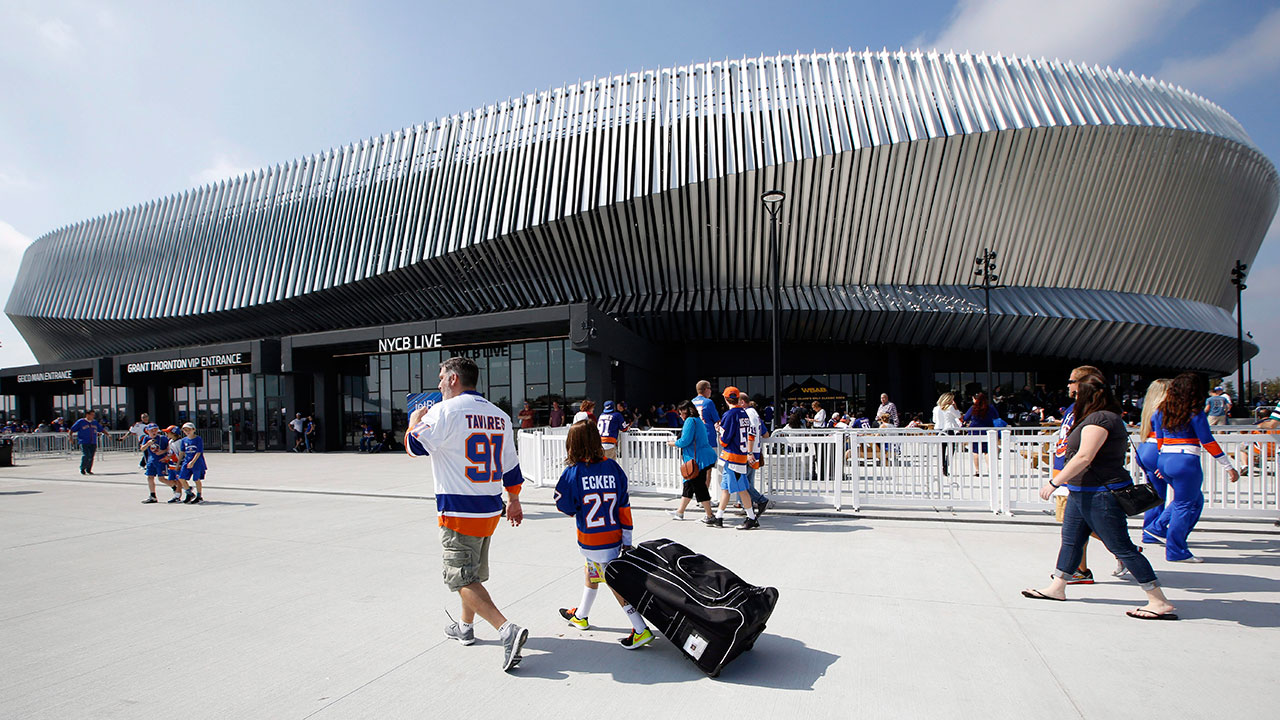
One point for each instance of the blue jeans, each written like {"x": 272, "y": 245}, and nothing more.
{"x": 1179, "y": 518}
{"x": 756, "y": 495}
{"x": 1099, "y": 513}
{"x": 366, "y": 444}
{"x": 86, "y": 457}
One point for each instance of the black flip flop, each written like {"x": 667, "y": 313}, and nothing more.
{"x": 1037, "y": 595}
{"x": 1141, "y": 614}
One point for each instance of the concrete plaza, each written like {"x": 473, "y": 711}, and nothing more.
{"x": 309, "y": 586}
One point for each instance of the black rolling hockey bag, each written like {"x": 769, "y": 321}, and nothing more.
{"x": 700, "y": 606}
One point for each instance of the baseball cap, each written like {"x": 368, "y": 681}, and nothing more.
{"x": 1218, "y": 388}
{"x": 732, "y": 391}
{"x": 608, "y": 406}
{"x": 151, "y": 426}
{"x": 188, "y": 425}
{"x": 171, "y": 429}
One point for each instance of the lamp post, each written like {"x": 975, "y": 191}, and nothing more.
{"x": 1250, "y": 364}
{"x": 988, "y": 280}
{"x": 1238, "y": 274}
{"x": 773, "y": 203}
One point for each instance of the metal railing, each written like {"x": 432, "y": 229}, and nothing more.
{"x": 998, "y": 470}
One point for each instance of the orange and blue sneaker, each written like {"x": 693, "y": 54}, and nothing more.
{"x": 571, "y": 616}
{"x": 637, "y": 639}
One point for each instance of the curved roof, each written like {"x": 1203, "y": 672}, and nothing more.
{"x": 898, "y": 168}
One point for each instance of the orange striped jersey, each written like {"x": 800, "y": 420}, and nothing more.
{"x": 737, "y": 439}
{"x": 473, "y": 458}
{"x": 596, "y": 496}
{"x": 1195, "y": 434}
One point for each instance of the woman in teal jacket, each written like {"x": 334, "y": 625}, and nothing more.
{"x": 694, "y": 445}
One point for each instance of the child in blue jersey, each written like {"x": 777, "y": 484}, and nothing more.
{"x": 173, "y": 461}
{"x": 154, "y": 449}
{"x": 593, "y": 489}
{"x": 192, "y": 467}
{"x": 738, "y": 444}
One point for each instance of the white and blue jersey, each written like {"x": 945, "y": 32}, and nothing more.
{"x": 189, "y": 447}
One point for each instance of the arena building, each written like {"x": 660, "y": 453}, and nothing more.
{"x": 608, "y": 240}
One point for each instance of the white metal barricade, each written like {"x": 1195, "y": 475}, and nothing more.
{"x": 803, "y": 466}
{"x": 37, "y": 445}
{"x": 1256, "y": 493}
{"x": 650, "y": 464}
{"x": 923, "y": 469}
{"x": 898, "y": 467}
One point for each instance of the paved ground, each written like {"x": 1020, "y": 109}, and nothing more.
{"x": 317, "y": 602}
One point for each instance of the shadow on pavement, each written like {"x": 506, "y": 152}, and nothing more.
{"x": 1204, "y": 582}
{"x": 775, "y": 662}
{"x": 1249, "y": 613}
{"x": 224, "y": 502}
{"x": 21, "y": 492}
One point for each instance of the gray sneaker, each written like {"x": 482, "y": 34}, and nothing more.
{"x": 455, "y": 631}
{"x": 511, "y": 644}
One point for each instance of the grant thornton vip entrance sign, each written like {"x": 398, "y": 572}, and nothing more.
{"x": 195, "y": 362}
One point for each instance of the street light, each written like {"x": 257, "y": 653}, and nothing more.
{"x": 773, "y": 203}
{"x": 1238, "y": 274}
{"x": 988, "y": 280}
{"x": 1250, "y": 364}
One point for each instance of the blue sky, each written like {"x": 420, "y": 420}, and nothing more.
{"x": 107, "y": 104}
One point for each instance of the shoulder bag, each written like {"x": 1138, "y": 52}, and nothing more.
{"x": 1136, "y": 498}
{"x": 689, "y": 469}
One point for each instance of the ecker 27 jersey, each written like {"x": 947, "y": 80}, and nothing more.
{"x": 596, "y": 496}
{"x": 473, "y": 457}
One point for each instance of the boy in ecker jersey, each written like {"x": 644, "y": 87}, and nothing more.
{"x": 473, "y": 459}
{"x": 593, "y": 489}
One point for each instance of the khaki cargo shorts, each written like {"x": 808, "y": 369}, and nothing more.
{"x": 465, "y": 559}
{"x": 1059, "y": 506}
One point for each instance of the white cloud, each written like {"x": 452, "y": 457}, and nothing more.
{"x": 13, "y": 349}
{"x": 1245, "y": 60}
{"x": 223, "y": 167}
{"x": 1085, "y": 31}
{"x": 58, "y": 35}
{"x": 15, "y": 180}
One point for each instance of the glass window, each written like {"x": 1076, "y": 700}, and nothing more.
{"x": 499, "y": 371}
{"x": 535, "y": 362}
{"x": 400, "y": 373}
{"x": 575, "y": 367}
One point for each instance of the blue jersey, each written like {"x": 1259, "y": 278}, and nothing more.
{"x": 1217, "y": 405}
{"x": 610, "y": 427}
{"x": 189, "y": 447}
{"x": 1060, "y": 447}
{"x": 158, "y": 448}
{"x": 710, "y": 416}
{"x": 86, "y": 431}
{"x": 1192, "y": 436}
{"x": 596, "y": 496}
{"x": 737, "y": 439}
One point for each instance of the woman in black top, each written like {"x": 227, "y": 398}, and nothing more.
{"x": 1096, "y": 453}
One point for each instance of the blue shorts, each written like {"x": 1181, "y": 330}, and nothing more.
{"x": 195, "y": 473}
{"x": 173, "y": 475}
{"x": 734, "y": 482}
{"x": 157, "y": 469}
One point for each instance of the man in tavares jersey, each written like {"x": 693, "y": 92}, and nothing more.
{"x": 610, "y": 425}
{"x": 473, "y": 459}
{"x": 593, "y": 489}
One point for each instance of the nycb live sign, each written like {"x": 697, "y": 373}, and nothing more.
{"x": 409, "y": 343}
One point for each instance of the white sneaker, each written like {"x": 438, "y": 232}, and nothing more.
{"x": 1192, "y": 559}
{"x": 676, "y": 515}
{"x": 454, "y": 630}
{"x": 1120, "y": 570}
{"x": 511, "y": 644}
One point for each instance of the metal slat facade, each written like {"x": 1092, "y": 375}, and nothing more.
{"x": 639, "y": 193}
